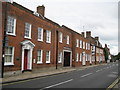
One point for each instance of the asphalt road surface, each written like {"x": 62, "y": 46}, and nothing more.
{"x": 94, "y": 77}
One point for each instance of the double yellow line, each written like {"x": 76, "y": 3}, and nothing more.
{"x": 114, "y": 83}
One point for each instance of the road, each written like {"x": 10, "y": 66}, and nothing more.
{"x": 94, "y": 77}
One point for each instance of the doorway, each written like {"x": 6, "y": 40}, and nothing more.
{"x": 27, "y": 51}
{"x": 67, "y": 57}
{"x": 26, "y": 60}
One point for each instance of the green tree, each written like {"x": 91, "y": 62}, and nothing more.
{"x": 106, "y": 54}
{"x": 118, "y": 56}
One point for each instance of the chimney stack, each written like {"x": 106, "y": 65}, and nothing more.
{"x": 97, "y": 38}
{"x": 83, "y": 34}
{"x": 105, "y": 45}
{"x": 41, "y": 10}
{"x": 88, "y": 33}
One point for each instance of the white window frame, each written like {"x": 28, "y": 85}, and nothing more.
{"x": 49, "y": 57}
{"x": 9, "y": 25}
{"x": 60, "y": 37}
{"x": 12, "y": 61}
{"x": 80, "y": 43}
{"x": 86, "y": 46}
{"x": 86, "y": 57}
{"x": 60, "y": 57}
{"x": 68, "y": 41}
{"x": 40, "y": 62}
{"x": 83, "y": 45}
{"x": 77, "y": 57}
{"x": 40, "y": 38}
{"x": 28, "y": 37}
{"x": 48, "y": 36}
{"x": 80, "y": 57}
{"x": 77, "y": 42}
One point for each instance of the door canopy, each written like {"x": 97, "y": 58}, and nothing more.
{"x": 28, "y": 44}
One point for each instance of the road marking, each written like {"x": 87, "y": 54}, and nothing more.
{"x": 57, "y": 84}
{"x": 97, "y": 70}
{"x": 113, "y": 84}
{"x": 115, "y": 72}
{"x": 86, "y": 75}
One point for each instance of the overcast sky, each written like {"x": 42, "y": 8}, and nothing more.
{"x": 98, "y": 16}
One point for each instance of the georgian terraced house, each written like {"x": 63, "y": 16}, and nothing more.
{"x": 36, "y": 42}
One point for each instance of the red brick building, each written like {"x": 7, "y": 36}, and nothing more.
{"x": 97, "y": 52}
{"x": 36, "y": 42}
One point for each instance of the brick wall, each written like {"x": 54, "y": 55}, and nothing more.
{"x": 24, "y": 15}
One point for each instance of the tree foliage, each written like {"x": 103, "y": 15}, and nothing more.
{"x": 116, "y": 57}
{"x": 106, "y": 54}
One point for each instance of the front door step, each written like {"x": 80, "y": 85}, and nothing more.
{"x": 27, "y": 71}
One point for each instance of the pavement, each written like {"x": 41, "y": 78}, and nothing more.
{"x": 117, "y": 86}
{"x": 31, "y": 75}
{"x": 74, "y": 73}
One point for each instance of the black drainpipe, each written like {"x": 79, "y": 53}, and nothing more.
{"x": 56, "y": 49}
{"x": 4, "y": 41}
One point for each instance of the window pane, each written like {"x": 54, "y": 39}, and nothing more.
{"x": 60, "y": 37}
{"x": 10, "y": 25}
{"x": 9, "y": 55}
{"x": 40, "y": 56}
{"x": 60, "y": 57}
{"x": 48, "y": 36}
{"x": 67, "y": 39}
{"x": 40, "y": 33}
{"x": 9, "y": 50}
{"x": 47, "y": 56}
{"x": 27, "y": 29}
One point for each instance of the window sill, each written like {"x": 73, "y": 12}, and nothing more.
{"x": 10, "y": 64}
{"x": 40, "y": 40}
{"x": 48, "y": 62}
{"x": 48, "y": 42}
{"x": 39, "y": 62}
{"x": 27, "y": 37}
{"x": 60, "y": 42}
{"x": 11, "y": 34}
{"x": 59, "y": 62}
